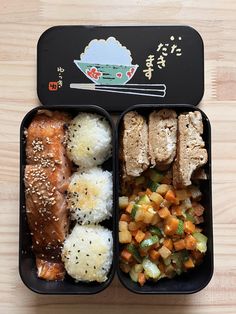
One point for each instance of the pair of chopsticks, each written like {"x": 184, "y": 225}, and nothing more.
{"x": 154, "y": 90}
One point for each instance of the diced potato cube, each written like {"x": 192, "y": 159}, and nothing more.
{"x": 125, "y": 237}
{"x": 162, "y": 189}
{"x": 139, "y": 216}
{"x": 123, "y": 225}
{"x": 156, "y": 198}
{"x": 164, "y": 252}
{"x": 123, "y": 202}
{"x": 148, "y": 216}
{"x": 166, "y": 203}
{"x": 156, "y": 218}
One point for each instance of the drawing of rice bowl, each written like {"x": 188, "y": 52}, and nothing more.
{"x": 106, "y": 62}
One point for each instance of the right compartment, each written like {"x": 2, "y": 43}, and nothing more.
{"x": 198, "y": 277}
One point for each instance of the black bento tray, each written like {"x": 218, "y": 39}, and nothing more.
{"x": 196, "y": 279}
{"x": 180, "y": 81}
{"x": 27, "y": 266}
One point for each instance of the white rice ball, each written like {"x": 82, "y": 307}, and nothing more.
{"x": 87, "y": 253}
{"x": 89, "y": 196}
{"x": 89, "y": 140}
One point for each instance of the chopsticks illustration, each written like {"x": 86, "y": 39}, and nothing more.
{"x": 154, "y": 90}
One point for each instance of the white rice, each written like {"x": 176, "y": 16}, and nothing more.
{"x": 87, "y": 253}
{"x": 89, "y": 140}
{"x": 90, "y": 196}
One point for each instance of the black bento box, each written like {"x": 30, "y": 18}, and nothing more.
{"x": 196, "y": 279}
{"x": 165, "y": 70}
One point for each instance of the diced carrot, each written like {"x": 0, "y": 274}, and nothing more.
{"x": 148, "y": 192}
{"x": 154, "y": 254}
{"x": 189, "y": 227}
{"x": 134, "y": 233}
{"x": 176, "y": 210}
{"x": 189, "y": 263}
{"x": 141, "y": 279}
{"x": 171, "y": 225}
{"x": 126, "y": 255}
{"x": 139, "y": 236}
{"x": 168, "y": 243}
{"x": 179, "y": 245}
{"x": 190, "y": 242}
{"x": 125, "y": 217}
{"x": 147, "y": 235}
{"x": 170, "y": 196}
{"x": 129, "y": 208}
{"x": 164, "y": 212}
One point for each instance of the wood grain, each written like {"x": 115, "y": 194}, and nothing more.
{"x": 21, "y": 24}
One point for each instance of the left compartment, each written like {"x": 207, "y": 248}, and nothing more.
{"x": 27, "y": 264}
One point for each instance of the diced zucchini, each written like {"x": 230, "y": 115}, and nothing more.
{"x": 153, "y": 186}
{"x": 144, "y": 199}
{"x": 167, "y": 261}
{"x": 201, "y": 242}
{"x": 149, "y": 242}
{"x": 189, "y": 215}
{"x": 134, "y": 210}
{"x": 178, "y": 258}
{"x": 123, "y": 202}
{"x": 155, "y": 231}
{"x": 180, "y": 229}
{"x": 133, "y": 274}
{"x": 151, "y": 269}
{"x": 135, "y": 253}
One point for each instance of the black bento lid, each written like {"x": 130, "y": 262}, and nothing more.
{"x": 118, "y": 66}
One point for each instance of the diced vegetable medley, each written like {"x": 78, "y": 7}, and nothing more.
{"x": 159, "y": 228}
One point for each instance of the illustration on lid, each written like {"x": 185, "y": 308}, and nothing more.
{"x": 109, "y": 66}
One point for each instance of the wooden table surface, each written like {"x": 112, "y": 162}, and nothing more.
{"x": 21, "y": 23}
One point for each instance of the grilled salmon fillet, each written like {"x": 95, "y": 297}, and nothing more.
{"x": 46, "y": 179}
